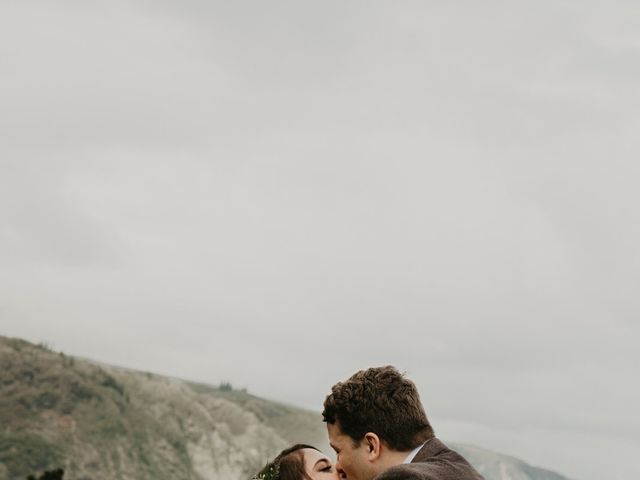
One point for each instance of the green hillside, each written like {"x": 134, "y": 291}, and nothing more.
{"x": 97, "y": 421}
{"x": 106, "y": 423}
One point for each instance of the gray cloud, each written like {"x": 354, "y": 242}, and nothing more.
{"x": 279, "y": 194}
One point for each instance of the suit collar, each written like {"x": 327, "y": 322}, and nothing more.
{"x": 432, "y": 447}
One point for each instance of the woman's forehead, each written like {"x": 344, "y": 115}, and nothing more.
{"x": 312, "y": 456}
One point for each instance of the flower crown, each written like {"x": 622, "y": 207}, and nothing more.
{"x": 272, "y": 473}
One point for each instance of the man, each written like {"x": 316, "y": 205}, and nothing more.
{"x": 378, "y": 429}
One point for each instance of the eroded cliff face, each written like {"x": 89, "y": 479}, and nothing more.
{"x": 106, "y": 423}
{"x": 101, "y": 422}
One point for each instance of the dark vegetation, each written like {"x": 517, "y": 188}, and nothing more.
{"x": 49, "y": 475}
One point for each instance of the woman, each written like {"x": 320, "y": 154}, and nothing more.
{"x": 300, "y": 462}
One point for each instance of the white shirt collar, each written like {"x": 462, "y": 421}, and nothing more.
{"x": 413, "y": 453}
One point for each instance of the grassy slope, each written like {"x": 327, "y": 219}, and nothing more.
{"x": 101, "y": 422}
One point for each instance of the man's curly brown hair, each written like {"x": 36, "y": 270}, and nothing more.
{"x": 379, "y": 400}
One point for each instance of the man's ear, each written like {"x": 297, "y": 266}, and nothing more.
{"x": 373, "y": 446}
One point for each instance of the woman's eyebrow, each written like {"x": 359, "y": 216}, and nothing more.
{"x": 325, "y": 460}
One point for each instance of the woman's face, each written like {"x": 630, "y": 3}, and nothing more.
{"x": 318, "y": 466}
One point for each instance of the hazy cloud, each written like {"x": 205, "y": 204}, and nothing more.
{"x": 279, "y": 194}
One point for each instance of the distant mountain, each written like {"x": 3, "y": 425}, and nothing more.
{"x": 503, "y": 467}
{"x": 102, "y": 422}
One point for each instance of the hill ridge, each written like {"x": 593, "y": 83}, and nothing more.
{"x": 99, "y": 421}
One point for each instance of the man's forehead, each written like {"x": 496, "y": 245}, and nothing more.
{"x": 334, "y": 430}
{"x": 337, "y": 438}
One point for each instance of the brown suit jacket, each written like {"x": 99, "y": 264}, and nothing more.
{"x": 434, "y": 461}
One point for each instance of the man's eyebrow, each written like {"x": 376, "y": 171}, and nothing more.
{"x": 332, "y": 446}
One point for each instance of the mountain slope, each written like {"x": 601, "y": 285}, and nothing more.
{"x": 103, "y": 422}
{"x": 503, "y": 467}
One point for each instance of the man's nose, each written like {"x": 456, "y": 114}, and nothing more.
{"x": 340, "y": 471}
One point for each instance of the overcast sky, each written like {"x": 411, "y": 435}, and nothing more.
{"x": 277, "y": 194}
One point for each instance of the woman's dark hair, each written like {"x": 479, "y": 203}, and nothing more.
{"x": 288, "y": 465}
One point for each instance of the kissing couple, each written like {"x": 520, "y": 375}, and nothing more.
{"x": 379, "y": 430}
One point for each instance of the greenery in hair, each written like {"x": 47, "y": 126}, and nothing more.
{"x": 271, "y": 473}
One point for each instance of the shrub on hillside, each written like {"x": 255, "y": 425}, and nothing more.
{"x": 49, "y": 475}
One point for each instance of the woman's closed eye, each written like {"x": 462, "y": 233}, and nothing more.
{"x": 324, "y": 466}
